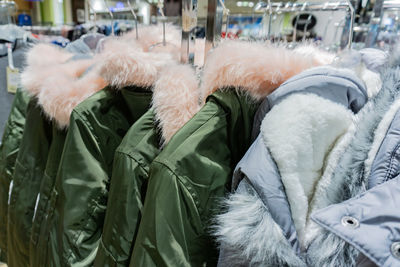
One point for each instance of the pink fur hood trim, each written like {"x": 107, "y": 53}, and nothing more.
{"x": 127, "y": 61}
{"x": 256, "y": 68}
{"x": 58, "y": 84}
{"x": 175, "y": 99}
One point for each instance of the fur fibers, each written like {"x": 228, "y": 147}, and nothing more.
{"x": 349, "y": 178}
{"x": 250, "y": 236}
{"x": 343, "y": 179}
{"x": 299, "y": 142}
{"x": 60, "y": 85}
{"x": 254, "y": 68}
{"x": 175, "y": 99}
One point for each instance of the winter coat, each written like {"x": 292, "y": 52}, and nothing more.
{"x": 133, "y": 157}
{"x": 48, "y": 73}
{"x": 75, "y": 214}
{"x": 286, "y": 175}
{"x": 8, "y": 154}
{"x": 195, "y": 166}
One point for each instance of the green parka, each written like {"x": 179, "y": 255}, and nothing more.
{"x": 9, "y": 147}
{"x": 133, "y": 157}
{"x": 75, "y": 216}
{"x": 43, "y": 137}
{"x": 194, "y": 170}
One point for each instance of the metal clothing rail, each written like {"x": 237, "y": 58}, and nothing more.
{"x": 294, "y": 7}
{"x": 391, "y": 4}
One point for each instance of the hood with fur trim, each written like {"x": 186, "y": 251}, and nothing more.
{"x": 287, "y": 174}
{"x": 255, "y": 68}
{"x": 126, "y": 61}
{"x": 60, "y": 84}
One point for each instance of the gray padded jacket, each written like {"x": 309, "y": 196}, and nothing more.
{"x": 292, "y": 192}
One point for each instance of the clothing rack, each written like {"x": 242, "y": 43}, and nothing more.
{"x": 306, "y": 6}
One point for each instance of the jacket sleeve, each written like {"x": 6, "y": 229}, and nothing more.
{"x": 81, "y": 192}
{"x": 125, "y": 203}
{"x": 369, "y": 222}
{"x": 9, "y": 148}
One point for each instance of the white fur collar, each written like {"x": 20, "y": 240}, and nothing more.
{"x": 60, "y": 85}
{"x": 256, "y": 68}
{"x": 300, "y": 141}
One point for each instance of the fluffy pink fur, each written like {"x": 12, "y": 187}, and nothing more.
{"x": 64, "y": 90}
{"x": 60, "y": 86}
{"x": 41, "y": 61}
{"x": 175, "y": 99}
{"x": 126, "y": 63}
{"x": 150, "y": 35}
{"x": 255, "y": 68}
{"x": 45, "y": 54}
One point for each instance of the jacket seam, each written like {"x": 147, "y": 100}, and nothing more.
{"x": 391, "y": 164}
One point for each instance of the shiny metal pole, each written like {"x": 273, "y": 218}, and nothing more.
{"x": 210, "y": 26}
{"x": 189, "y": 23}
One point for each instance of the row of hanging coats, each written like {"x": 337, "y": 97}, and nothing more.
{"x": 127, "y": 158}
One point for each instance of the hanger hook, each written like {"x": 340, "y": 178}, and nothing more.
{"x": 225, "y": 12}
{"x": 134, "y": 16}
{"x": 352, "y": 13}
{"x": 111, "y": 15}
{"x": 269, "y": 19}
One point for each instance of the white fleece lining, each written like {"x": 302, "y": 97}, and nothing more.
{"x": 380, "y": 134}
{"x": 324, "y": 187}
{"x": 299, "y": 142}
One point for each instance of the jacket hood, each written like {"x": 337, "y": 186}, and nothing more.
{"x": 60, "y": 84}
{"x": 175, "y": 99}
{"x": 129, "y": 62}
{"x": 256, "y": 69}
{"x": 348, "y": 169}
{"x": 242, "y": 65}
{"x": 302, "y": 135}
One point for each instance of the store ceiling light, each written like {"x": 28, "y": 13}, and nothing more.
{"x": 244, "y": 4}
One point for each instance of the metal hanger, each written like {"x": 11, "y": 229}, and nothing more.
{"x": 351, "y": 27}
{"x": 164, "y": 43}
{"x": 308, "y": 21}
{"x": 111, "y": 16}
{"x": 135, "y": 17}
{"x": 225, "y": 12}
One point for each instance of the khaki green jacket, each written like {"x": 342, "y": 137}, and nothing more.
{"x": 53, "y": 94}
{"x": 134, "y": 155}
{"x": 9, "y": 148}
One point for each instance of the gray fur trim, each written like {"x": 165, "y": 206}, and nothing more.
{"x": 249, "y": 236}
{"x": 328, "y": 249}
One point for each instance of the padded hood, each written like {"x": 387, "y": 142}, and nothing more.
{"x": 60, "y": 84}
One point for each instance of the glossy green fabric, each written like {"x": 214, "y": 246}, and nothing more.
{"x": 9, "y": 147}
{"x": 36, "y": 253}
{"x": 75, "y": 216}
{"x": 127, "y": 191}
{"x": 29, "y": 169}
{"x": 188, "y": 179}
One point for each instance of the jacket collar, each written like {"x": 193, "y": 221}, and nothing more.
{"x": 344, "y": 177}
{"x": 60, "y": 84}
{"x": 256, "y": 69}
{"x": 252, "y": 68}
